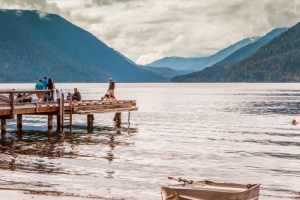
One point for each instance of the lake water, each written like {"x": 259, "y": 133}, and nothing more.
{"x": 233, "y": 132}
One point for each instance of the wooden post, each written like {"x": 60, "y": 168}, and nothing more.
{"x": 128, "y": 117}
{"x": 3, "y": 126}
{"x": 50, "y": 122}
{"x": 118, "y": 118}
{"x": 19, "y": 122}
{"x": 57, "y": 122}
{"x": 62, "y": 101}
{"x": 90, "y": 122}
{"x": 12, "y": 105}
{"x": 71, "y": 108}
{"x": 90, "y": 119}
{"x": 59, "y": 115}
{"x": 58, "y": 119}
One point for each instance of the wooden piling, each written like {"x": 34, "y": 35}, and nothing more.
{"x": 128, "y": 117}
{"x": 70, "y": 103}
{"x": 58, "y": 123}
{"x": 12, "y": 105}
{"x": 58, "y": 118}
{"x": 90, "y": 122}
{"x": 62, "y": 111}
{"x": 118, "y": 118}
{"x": 3, "y": 126}
{"x": 19, "y": 121}
{"x": 50, "y": 122}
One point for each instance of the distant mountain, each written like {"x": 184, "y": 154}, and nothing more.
{"x": 167, "y": 72}
{"x": 33, "y": 47}
{"x": 250, "y": 49}
{"x": 226, "y": 52}
{"x": 277, "y": 61}
{"x": 196, "y": 64}
{"x": 178, "y": 63}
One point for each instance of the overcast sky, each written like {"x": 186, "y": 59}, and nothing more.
{"x": 147, "y": 30}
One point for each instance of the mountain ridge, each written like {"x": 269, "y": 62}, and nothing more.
{"x": 35, "y": 47}
{"x": 196, "y": 64}
{"x": 250, "y": 49}
{"x": 277, "y": 61}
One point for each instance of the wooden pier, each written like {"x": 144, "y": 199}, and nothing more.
{"x": 10, "y": 107}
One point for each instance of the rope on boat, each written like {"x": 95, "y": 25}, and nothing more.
{"x": 182, "y": 180}
{"x": 192, "y": 182}
{"x": 186, "y": 181}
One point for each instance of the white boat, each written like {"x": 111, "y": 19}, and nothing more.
{"x": 208, "y": 190}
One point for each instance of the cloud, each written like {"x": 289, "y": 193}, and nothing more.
{"x": 41, "y": 14}
{"x": 108, "y": 2}
{"x": 42, "y": 6}
{"x": 146, "y": 30}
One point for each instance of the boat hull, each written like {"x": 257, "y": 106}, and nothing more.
{"x": 211, "y": 191}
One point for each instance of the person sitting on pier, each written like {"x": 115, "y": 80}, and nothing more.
{"x": 111, "y": 89}
{"x": 27, "y": 100}
{"x": 19, "y": 95}
{"x": 105, "y": 97}
{"x": 70, "y": 95}
{"x": 39, "y": 86}
{"x": 76, "y": 95}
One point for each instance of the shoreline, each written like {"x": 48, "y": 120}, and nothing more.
{"x": 16, "y": 194}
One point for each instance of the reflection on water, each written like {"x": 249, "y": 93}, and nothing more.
{"x": 26, "y": 150}
{"x": 239, "y": 133}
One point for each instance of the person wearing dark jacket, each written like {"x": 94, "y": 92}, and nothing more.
{"x": 111, "y": 89}
{"x": 51, "y": 86}
{"x": 76, "y": 95}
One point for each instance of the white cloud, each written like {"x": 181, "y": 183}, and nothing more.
{"x": 42, "y": 14}
{"x": 146, "y": 30}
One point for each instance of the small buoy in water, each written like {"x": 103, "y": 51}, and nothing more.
{"x": 294, "y": 122}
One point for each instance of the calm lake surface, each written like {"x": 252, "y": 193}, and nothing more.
{"x": 233, "y": 132}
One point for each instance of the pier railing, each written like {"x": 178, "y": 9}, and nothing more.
{"x": 7, "y": 98}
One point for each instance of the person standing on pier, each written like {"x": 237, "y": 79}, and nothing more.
{"x": 39, "y": 86}
{"x": 51, "y": 87}
{"x": 45, "y": 82}
{"x": 111, "y": 89}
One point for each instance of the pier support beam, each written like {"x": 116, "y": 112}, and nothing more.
{"x": 58, "y": 125}
{"x": 118, "y": 118}
{"x": 19, "y": 122}
{"x": 3, "y": 126}
{"x": 59, "y": 116}
{"x": 90, "y": 122}
{"x": 128, "y": 117}
{"x": 50, "y": 122}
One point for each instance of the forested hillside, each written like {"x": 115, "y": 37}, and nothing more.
{"x": 278, "y": 61}
{"x": 250, "y": 49}
{"x": 33, "y": 47}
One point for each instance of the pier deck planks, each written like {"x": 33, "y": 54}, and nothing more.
{"x": 84, "y": 107}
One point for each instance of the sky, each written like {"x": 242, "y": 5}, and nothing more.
{"x": 148, "y": 30}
